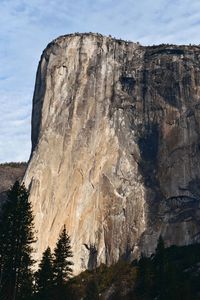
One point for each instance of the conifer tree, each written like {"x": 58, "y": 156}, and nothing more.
{"x": 62, "y": 262}
{"x": 16, "y": 239}
{"x": 44, "y": 276}
{"x": 160, "y": 267}
{"x": 145, "y": 276}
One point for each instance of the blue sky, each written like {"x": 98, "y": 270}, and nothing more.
{"x": 27, "y": 26}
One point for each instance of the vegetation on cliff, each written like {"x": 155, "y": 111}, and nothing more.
{"x": 54, "y": 271}
{"x": 17, "y": 279}
{"x": 171, "y": 273}
{"x": 16, "y": 240}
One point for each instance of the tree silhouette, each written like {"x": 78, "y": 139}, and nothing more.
{"x": 62, "y": 262}
{"x": 160, "y": 268}
{"x": 145, "y": 278}
{"x": 44, "y": 276}
{"x": 16, "y": 239}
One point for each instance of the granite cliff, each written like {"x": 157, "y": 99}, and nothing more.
{"x": 115, "y": 147}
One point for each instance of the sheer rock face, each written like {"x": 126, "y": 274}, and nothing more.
{"x": 116, "y": 147}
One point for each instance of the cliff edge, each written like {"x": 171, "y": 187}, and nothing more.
{"x": 115, "y": 147}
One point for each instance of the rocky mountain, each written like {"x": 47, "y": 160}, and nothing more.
{"x": 115, "y": 147}
{"x": 9, "y": 173}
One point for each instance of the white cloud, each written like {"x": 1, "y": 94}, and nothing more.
{"x": 26, "y": 26}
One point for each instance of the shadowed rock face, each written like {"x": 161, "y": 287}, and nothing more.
{"x": 115, "y": 147}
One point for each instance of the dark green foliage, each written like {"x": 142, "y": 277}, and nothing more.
{"x": 44, "y": 276}
{"x": 171, "y": 273}
{"x": 16, "y": 239}
{"x": 94, "y": 284}
{"x": 151, "y": 280}
{"x": 62, "y": 263}
{"x": 180, "y": 276}
{"x": 145, "y": 278}
{"x": 52, "y": 277}
{"x": 14, "y": 164}
{"x": 92, "y": 290}
{"x": 160, "y": 265}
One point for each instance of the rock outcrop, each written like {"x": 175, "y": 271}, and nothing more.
{"x": 9, "y": 173}
{"x": 115, "y": 147}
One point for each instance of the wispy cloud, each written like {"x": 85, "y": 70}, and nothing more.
{"x": 15, "y": 125}
{"x": 26, "y": 26}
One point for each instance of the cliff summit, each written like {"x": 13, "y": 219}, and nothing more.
{"x": 115, "y": 147}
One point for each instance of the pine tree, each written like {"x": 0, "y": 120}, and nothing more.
{"x": 160, "y": 267}
{"x": 16, "y": 239}
{"x": 145, "y": 277}
{"x": 62, "y": 262}
{"x": 44, "y": 276}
